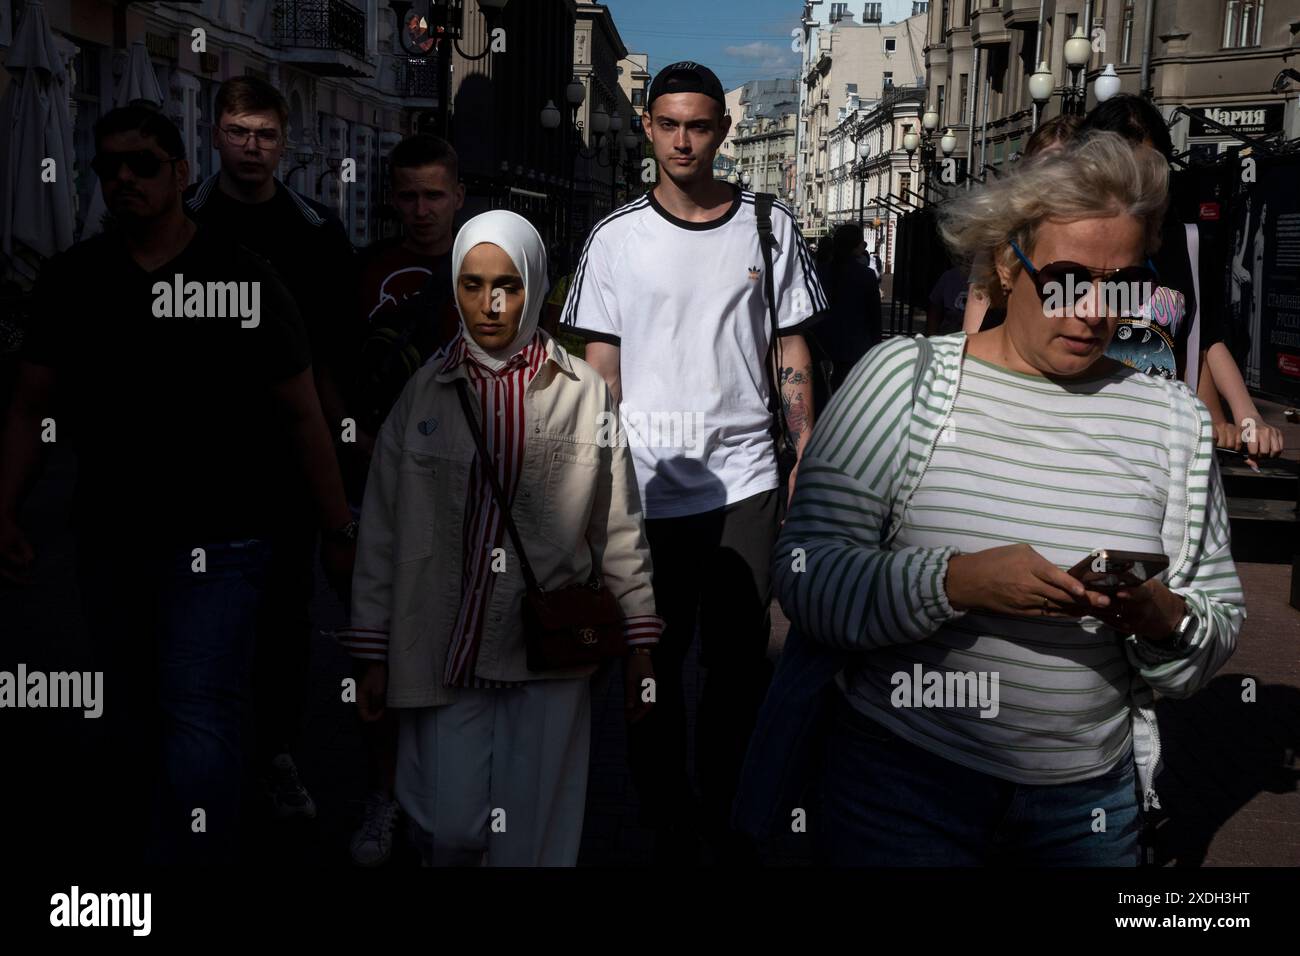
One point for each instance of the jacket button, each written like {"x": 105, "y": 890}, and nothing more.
{"x": 537, "y": 429}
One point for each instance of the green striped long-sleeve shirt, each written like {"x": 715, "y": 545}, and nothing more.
{"x": 888, "y": 491}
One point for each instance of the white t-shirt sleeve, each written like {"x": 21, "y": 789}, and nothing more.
{"x": 799, "y": 293}
{"x": 591, "y": 310}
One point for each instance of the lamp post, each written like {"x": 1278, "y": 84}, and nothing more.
{"x": 551, "y": 118}
{"x": 420, "y": 37}
{"x": 1077, "y": 51}
{"x": 925, "y": 143}
{"x": 1040, "y": 90}
{"x": 861, "y": 150}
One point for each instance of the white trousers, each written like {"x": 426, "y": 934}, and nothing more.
{"x": 500, "y": 776}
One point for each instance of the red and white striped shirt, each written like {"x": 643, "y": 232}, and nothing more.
{"x": 501, "y": 414}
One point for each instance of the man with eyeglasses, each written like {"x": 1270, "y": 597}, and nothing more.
{"x": 173, "y": 414}
{"x": 309, "y": 248}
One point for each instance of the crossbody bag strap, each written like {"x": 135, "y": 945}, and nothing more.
{"x": 1193, "y": 360}
{"x": 485, "y": 459}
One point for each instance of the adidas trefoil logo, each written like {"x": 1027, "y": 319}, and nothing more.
{"x": 754, "y": 273}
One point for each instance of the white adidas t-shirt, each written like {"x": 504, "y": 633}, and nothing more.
{"x": 685, "y": 303}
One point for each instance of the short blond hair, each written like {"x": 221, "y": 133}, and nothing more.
{"x": 1102, "y": 175}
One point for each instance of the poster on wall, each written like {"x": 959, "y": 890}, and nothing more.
{"x": 1264, "y": 279}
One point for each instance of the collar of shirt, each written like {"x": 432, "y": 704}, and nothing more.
{"x": 460, "y": 364}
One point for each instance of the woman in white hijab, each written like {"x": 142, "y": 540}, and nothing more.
{"x": 492, "y": 757}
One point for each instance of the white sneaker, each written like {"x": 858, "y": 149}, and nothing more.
{"x": 372, "y": 844}
{"x": 289, "y": 798}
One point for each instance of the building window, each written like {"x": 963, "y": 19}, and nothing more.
{"x": 871, "y": 13}
{"x": 939, "y": 104}
{"x": 891, "y": 44}
{"x": 1241, "y": 25}
{"x": 838, "y": 11}
{"x": 919, "y": 7}
{"x": 904, "y": 184}
{"x": 1126, "y": 46}
{"x": 888, "y": 82}
{"x": 638, "y": 97}
{"x": 962, "y": 87}
{"x": 943, "y": 18}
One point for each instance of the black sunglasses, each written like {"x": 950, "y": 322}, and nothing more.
{"x": 1075, "y": 281}
{"x": 141, "y": 162}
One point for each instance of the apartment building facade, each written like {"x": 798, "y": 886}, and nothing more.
{"x": 1218, "y": 58}
{"x": 849, "y": 66}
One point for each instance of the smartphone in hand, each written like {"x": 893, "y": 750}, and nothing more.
{"x": 1107, "y": 570}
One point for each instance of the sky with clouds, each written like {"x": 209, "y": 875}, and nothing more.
{"x": 739, "y": 40}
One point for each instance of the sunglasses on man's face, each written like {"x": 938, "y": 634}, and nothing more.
{"x": 1067, "y": 283}
{"x": 141, "y": 162}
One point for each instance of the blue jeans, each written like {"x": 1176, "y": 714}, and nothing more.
{"x": 176, "y": 646}
{"x": 887, "y": 802}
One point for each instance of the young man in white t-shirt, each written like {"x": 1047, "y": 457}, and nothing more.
{"x": 669, "y": 295}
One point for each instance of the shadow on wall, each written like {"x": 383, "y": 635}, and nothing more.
{"x": 475, "y": 131}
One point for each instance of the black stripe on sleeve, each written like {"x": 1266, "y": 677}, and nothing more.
{"x": 579, "y": 275}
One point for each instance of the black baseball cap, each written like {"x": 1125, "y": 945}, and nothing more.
{"x": 686, "y": 76}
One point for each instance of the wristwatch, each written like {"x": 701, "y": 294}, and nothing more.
{"x": 344, "y": 535}
{"x": 1181, "y": 640}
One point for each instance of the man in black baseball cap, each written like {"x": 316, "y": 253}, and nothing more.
{"x": 669, "y": 295}
{"x": 686, "y": 76}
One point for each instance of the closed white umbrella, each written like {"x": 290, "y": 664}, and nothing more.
{"x": 37, "y": 127}
{"x": 139, "y": 87}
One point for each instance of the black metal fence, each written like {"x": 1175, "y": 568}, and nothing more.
{"x": 321, "y": 25}
{"x": 418, "y": 78}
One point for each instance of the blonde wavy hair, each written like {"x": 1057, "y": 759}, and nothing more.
{"x": 1101, "y": 175}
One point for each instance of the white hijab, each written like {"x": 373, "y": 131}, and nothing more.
{"x": 524, "y": 246}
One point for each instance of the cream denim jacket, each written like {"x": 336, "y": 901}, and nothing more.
{"x": 576, "y": 505}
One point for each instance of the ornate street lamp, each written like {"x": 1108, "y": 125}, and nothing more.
{"x": 948, "y": 142}
{"x": 1077, "y": 51}
{"x": 1040, "y": 84}
{"x": 575, "y": 93}
{"x": 419, "y": 42}
{"x": 1107, "y": 84}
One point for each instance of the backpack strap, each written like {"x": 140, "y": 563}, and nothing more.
{"x": 763, "y": 216}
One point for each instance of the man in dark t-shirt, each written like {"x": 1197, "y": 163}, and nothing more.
{"x": 405, "y": 283}
{"x": 180, "y": 364}
{"x": 309, "y": 249}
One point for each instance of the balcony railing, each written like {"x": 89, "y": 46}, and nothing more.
{"x": 417, "y": 78}
{"x": 321, "y": 25}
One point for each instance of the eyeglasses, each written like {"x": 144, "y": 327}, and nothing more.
{"x": 141, "y": 162}
{"x": 238, "y": 136}
{"x": 1068, "y": 283}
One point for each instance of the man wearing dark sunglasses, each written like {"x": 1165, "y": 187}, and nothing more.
{"x": 173, "y": 418}
{"x": 309, "y": 248}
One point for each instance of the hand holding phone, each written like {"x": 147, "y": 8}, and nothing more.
{"x": 1108, "y": 570}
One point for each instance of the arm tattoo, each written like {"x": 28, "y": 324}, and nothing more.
{"x": 789, "y": 376}
{"x": 796, "y": 418}
{"x": 793, "y": 385}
